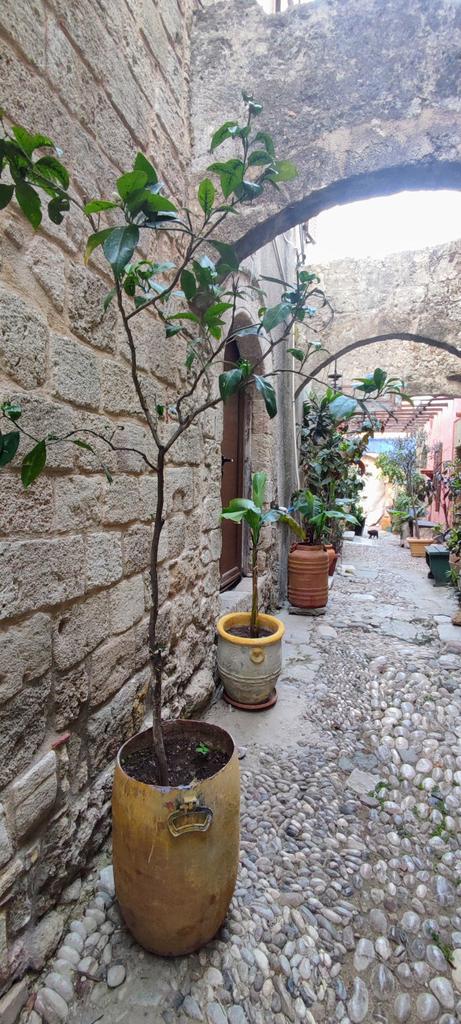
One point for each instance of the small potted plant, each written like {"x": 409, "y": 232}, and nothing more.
{"x": 308, "y": 561}
{"x": 250, "y": 643}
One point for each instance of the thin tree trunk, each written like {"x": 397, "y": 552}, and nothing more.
{"x": 254, "y": 593}
{"x": 156, "y": 654}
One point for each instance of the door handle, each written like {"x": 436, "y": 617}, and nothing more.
{"x": 224, "y": 460}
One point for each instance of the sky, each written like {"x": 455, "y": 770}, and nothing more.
{"x": 377, "y": 227}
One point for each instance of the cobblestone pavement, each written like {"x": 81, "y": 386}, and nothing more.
{"x": 346, "y": 907}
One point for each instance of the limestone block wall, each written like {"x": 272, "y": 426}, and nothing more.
{"x": 103, "y": 80}
{"x": 415, "y": 293}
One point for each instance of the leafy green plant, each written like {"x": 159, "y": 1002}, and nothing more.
{"x": 194, "y": 297}
{"x": 251, "y": 511}
{"x": 400, "y": 466}
{"x": 316, "y": 516}
{"x": 202, "y": 749}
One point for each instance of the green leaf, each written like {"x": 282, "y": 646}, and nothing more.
{"x": 108, "y": 299}
{"x": 6, "y": 194}
{"x": 150, "y": 203}
{"x": 297, "y": 353}
{"x": 188, "y": 284}
{"x": 131, "y": 182}
{"x": 229, "y": 382}
{"x": 276, "y": 280}
{"x": 230, "y": 175}
{"x": 33, "y": 464}
{"x": 97, "y": 205}
{"x": 49, "y": 167}
{"x": 107, "y": 473}
{"x": 57, "y": 207}
{"x": 171, "y": 331}
{"x": 255, "y": 108}
{"x": 342, "y": 407}
{"x": 267, "y": 141}
{"x": 119, "y": 247}
{"x": 30, "y": 142}
{"x": 228, "y": 255}
{"x": 268, "y": 393}
{"x": 12, "y": 410}
{"x": 160, "y": 410}
{"x": 248, "y": 190}
{"x": 258, "y": 488}
{"x": 9, "y": 444}
{"x": 276, "y": 315}
{"x": 29, "y": 201}
{"x": 206, "y": 196}
{"x": 216, "y": 310}
{"x": 94, "y": 240}
{"x": 142, "y": 164}
{"x": 221, "y": 134}
{"x": 187, "y": 315}
{"x": 259, "y": 157}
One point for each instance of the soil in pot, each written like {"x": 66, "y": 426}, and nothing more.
{"x": 185, "y": 763}
{"x": 244, "y": 631}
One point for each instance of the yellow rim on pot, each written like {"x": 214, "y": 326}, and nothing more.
{"x": 242, "y": 619}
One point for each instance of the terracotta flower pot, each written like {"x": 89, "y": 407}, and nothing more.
{"x": 332, "y": 558}
{"x": 308, "y": 576}
{"x": 418, "y": 546}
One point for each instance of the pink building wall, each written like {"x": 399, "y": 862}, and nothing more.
{"x": 444, "y": 429}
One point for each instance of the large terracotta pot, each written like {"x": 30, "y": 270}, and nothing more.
{"x": 332, "y": 558}
{"x": 249, "y": 668}
{"x": 418, "y": 546}
{"x": 308, "y": 576}
{"x": 176, "y": 851}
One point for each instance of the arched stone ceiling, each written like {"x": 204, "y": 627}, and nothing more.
{"x": 364, "y": 96}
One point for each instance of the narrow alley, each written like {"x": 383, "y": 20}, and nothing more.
{"x": 346, "y": 907}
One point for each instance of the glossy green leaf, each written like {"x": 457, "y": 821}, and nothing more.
{"x": 49, "y": 167}
{"x": 267, "y": 142}
{"x": 33, "y": 464}
{"x": 216, "y": 310}
{"x": 170, "y": 331}
{"x": 267, "y": 391}
{"x": 131, "y": 182}
{"x": 82, "y": 444}
{"x": 342, "y": 407}
{"x": 119, "y": 247}
{"x": 221, "y": 134}
{"x": 259, "y": 158}
{"x": 94, "y": 240}
{"x": 9, "y": 444}
{"x": 276, "y": 315}
{"x": 229, "y": 382}
{"x": 29, "y": 201}
{"x": 12, "y": 410}
{"x": 188, "y": 284}
{"x": 6, "y": 194}
{"x": 30, "y": 142}
{"x": 228, "y": 255}
{"x": 108, "y": 298}
{"x": 206, "y": 196}
{"x": 230, "y": 175}
{"x": 97, "y": 205}
{"x": 57, "y": 207}
{"x": 297, "y": 353}
{"x": 186, "y": 315}
{"x": 258, "y": 488}
{"x": 143, "y": 164}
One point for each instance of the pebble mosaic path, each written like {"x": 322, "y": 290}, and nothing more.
{"x": 348, "y": 902}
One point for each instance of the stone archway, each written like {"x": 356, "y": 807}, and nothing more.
{"x": 326, "y": 74}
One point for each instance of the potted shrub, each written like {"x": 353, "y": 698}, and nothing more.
{"x": 308, "y": 561}
{"x": 250, "y": 643}
{"x": 176, "y": 787}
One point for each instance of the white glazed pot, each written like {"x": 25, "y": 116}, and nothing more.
{"x": 249, "y": 668}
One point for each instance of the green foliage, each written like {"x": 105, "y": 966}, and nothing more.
{"x": 202, "y": 749}
{"x": 316, "y": 516}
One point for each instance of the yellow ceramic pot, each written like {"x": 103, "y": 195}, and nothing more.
{"x": 249, "y": 668}
{"x": 176, "y": 850}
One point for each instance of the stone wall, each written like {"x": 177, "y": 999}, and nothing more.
{"x": 410, "y": 293}
{"x": 363, "y": 96}
{"x": 103, "y": 81}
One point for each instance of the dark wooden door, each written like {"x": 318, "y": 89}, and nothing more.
{"x": 231, "y": 479}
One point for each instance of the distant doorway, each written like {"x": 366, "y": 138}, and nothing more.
{"x": 232, "y": 478}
